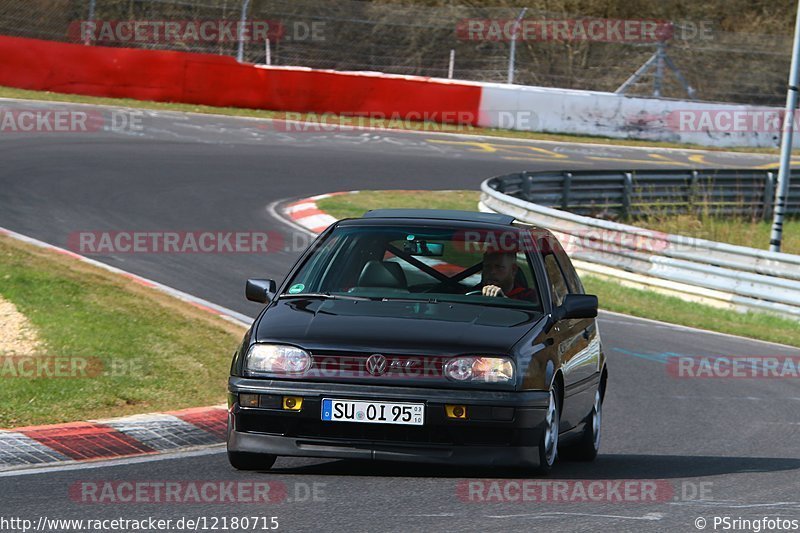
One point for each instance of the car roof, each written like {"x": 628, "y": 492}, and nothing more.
{"x": 442, "y": 214}
{"x": 442, "y": 218}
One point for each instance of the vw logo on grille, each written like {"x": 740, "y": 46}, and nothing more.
{"x": 376, "y": 364}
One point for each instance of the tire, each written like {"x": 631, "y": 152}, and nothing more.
{"x": 548, "y": 445}
{"x": 586, "y": 448}
{"x": 251, "y": 461}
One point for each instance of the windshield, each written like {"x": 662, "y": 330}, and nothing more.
{"x": 417, "y": 264}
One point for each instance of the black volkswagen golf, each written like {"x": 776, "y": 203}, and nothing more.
{"x": 426, "y": 336}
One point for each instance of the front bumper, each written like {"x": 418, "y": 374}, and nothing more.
{"x": 502, "y": 428}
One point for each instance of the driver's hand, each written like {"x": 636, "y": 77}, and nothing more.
{"x": 492, "y": 290}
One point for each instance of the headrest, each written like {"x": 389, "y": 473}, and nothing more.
{"x": 382, "y": 274}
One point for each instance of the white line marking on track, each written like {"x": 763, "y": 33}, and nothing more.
{"x": 554, "y": 514}
{"x": 731, "y": 505}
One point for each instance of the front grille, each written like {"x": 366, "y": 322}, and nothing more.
{"x": 399, "y": 368}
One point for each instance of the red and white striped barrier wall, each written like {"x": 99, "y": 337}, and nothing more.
{"x": 221, "y": 81}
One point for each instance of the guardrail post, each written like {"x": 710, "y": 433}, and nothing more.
{"x": 566, "y": 188}
{"x": 525, "y": 185}
{"x": 694, "y": 192}
{"x": 769, "y": 195}
{"x": 627, "y": 191}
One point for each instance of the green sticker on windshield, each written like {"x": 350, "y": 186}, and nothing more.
{"x": 294, "y": 289}
{"x": 410, "y": 238}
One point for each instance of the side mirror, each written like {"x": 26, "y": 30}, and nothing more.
{"x": 260, "y": 290}
{"x": 576, "y": 306}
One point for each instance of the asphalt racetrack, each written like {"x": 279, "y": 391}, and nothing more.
{"x": 723, "y": 447}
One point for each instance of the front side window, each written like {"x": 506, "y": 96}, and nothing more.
{"x": 558, "y": 285}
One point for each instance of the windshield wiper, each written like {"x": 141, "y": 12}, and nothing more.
{"x": 502, "y": 302}
{"x": 414, "y": 300}
{"x": 324, "y": 295}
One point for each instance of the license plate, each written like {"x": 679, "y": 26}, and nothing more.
{"x": 411, "y": 414}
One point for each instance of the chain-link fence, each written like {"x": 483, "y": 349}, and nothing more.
{"x": 552, "y": 49}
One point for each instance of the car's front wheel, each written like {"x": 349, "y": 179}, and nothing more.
{"x": 251, "y": 461}
{"x": 548, "y": 445}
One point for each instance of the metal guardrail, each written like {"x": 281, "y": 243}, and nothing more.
{"x": 733, "y": 276}
{"x": 639, "y": 192}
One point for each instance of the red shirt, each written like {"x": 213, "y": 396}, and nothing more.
{"x": 523, "y": 293}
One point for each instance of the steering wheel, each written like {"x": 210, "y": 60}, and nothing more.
{"x": 474, "y": 293}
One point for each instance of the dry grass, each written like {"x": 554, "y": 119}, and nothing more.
{"x": 172, "y": 355}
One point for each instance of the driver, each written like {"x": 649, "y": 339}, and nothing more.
{"x": 499, "y": 274}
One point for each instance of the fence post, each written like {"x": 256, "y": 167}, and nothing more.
{"x": 659, "y": 77}
{"x": 566, "y": 188}
{"x": 627, "y": 190}
{"x": 452, "y": 64}
{"x": 90, "y": 18}
{"x": 243, "y": 21}
{"x": 513, "y": 53}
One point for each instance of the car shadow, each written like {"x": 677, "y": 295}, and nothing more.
{"x": 613, "y": 466}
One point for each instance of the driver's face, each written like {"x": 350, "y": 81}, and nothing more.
{"x": 499, "y": 269}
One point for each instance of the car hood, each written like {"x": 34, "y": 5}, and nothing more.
{"x": 394, "y": 326}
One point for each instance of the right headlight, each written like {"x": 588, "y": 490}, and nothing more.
{"x": 277, "y": 359}
{"x": 481, "y": 369}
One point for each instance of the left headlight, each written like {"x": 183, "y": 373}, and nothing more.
{"x": 480, "y": 369}
{"x": 277, "y": 359}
